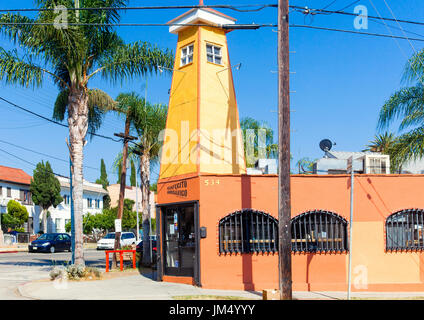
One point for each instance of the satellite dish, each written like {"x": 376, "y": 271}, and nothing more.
{"x": 325, "y": 145}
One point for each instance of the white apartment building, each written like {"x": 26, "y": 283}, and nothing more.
{"x": 15, "y": 183}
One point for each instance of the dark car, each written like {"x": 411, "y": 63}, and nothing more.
{"x": 139, "y": 248}
{"x": 51, "y": 242}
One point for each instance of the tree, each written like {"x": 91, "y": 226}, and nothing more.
{"x": 258, "y": 140}
{"x": 149, "y": 121}
{"x": 382, "y": 143}
{"x": 104, "y": 182}
{"x": 133, "y": 173}
{"x": 73, "y": 55}
{"x": 386, "y": 143}
{"x": 15, "y": 217}
{"x": 305, "y": 165}
{"x": 45, "y": 189}
{"x": 103, "y": 175}
{"x": 407, "y": 105}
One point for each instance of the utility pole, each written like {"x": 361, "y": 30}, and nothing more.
{"x": 284, "y": 209}
{"x": 126, "y": 137}
{"x": 352, "y": 177}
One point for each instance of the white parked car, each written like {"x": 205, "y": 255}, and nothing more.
{"x": 108, "y": 242}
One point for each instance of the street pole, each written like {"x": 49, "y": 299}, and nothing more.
{"x": 284, "y": 209}
{"x": 71, "y": 199}
{"x": 136, "y": 207}
{"x": 350, "y": 229}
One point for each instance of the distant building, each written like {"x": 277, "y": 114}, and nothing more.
{"x": 263, "y": 166}
{"x": 413, "y": 167}
{"x": 336, "y": 162}
{"x": 15, "y": 185}
{"x": 93, "y": 194}
{"x": 130, "y": 193}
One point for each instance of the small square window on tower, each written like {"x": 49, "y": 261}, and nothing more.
{"x": 214, "y": 54}
{"x": 187, "y": 55}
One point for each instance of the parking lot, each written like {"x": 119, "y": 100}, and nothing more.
{"x": 19, "y": 268}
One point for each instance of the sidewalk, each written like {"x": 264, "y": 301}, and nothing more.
{"x": 22, "y": 247}
{"x": 141, "y": 287}
{"x": 14, "y": 248}
{"x": 128, "y": 287}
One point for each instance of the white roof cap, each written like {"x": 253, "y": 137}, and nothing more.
{"x": 202, "y": 16}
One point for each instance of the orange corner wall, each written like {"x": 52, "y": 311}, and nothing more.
{"x": 375, "y": 198}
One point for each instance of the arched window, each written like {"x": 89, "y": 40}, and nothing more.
{"x": 404, "y": 230}
{"x": 318, "y": 230}
{"x": 248, "y": 231}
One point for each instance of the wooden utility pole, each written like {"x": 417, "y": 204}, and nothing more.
{"x": 284, "y": 209}
{"x": 122, "y": 187}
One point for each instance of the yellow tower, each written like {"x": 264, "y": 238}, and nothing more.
{"x": 203, "y": 130}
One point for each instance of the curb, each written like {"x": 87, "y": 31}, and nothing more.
{"x": 13, "y": 251}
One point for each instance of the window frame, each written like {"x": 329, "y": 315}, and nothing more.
{"x": 187, "y": 56}
{"x": 318, "y": 240}
{"x": 414, "y": 218}
{"x": 251, "y": 234}
{"x": 213, "y": 54}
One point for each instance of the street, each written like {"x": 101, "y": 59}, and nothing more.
{"x": 19, "y": 268}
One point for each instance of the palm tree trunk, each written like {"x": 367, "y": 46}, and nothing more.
{"x": 78, "y": 126}
{"x": 145, "y": 193}
{"x": 44, "y": 220}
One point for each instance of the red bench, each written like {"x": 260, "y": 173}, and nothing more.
{"x": 121, "y": 258}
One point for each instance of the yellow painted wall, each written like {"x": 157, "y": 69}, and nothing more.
{"x": 182, "y": 111}
{"x": 368, "y": 255}
{"x": 221, "y": 150}
{"x": 202, "y": 97}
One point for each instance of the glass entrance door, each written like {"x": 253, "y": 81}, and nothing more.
{"x": 179, "y": 241}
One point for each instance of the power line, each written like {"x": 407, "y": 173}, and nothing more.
{"x": 238, "y": 8}
{"x": 306, "y": 10}
{"x": 222, "y": 26}
{"x": 47, "y": 155}
{"x": 52, "y": 121}
{"x": 355, "y": 32}
{"x": 28, "y": 162}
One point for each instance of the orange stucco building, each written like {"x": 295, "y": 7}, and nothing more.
{"x": 217, "y": 226}
{"x": 374, "y": 268}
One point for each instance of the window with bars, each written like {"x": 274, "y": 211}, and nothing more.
{"x": 213, "y": 54}
{"x": 319, "y": 231}
{"x": 404, "y": 230}
{"x": 187, "y": 55}
{"x": 248, "y": 231}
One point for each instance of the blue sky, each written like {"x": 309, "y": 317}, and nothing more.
{"x": 341, "y": 81}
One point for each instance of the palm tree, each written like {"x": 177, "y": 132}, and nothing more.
{"x": 382, "y": 143}
{"x": 72, "y": 55}
{"x": 251, "y": 129}
{"x": 149, "y": 122}
{"x": 407, "y": 105}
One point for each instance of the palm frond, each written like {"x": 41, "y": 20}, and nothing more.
{"x": 414, "y": 68}
{"x": 136, "y": 59}
{"x": 408, "y": 146}
{"x": 403, "y": 103}
{"x": 16, "y": 27}
{"x": 99, "y": 102}
{"x": 61, "y": 105}
{"x": 15, "y": 70}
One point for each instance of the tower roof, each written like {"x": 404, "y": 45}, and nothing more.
{"x": 200, "y": 15}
